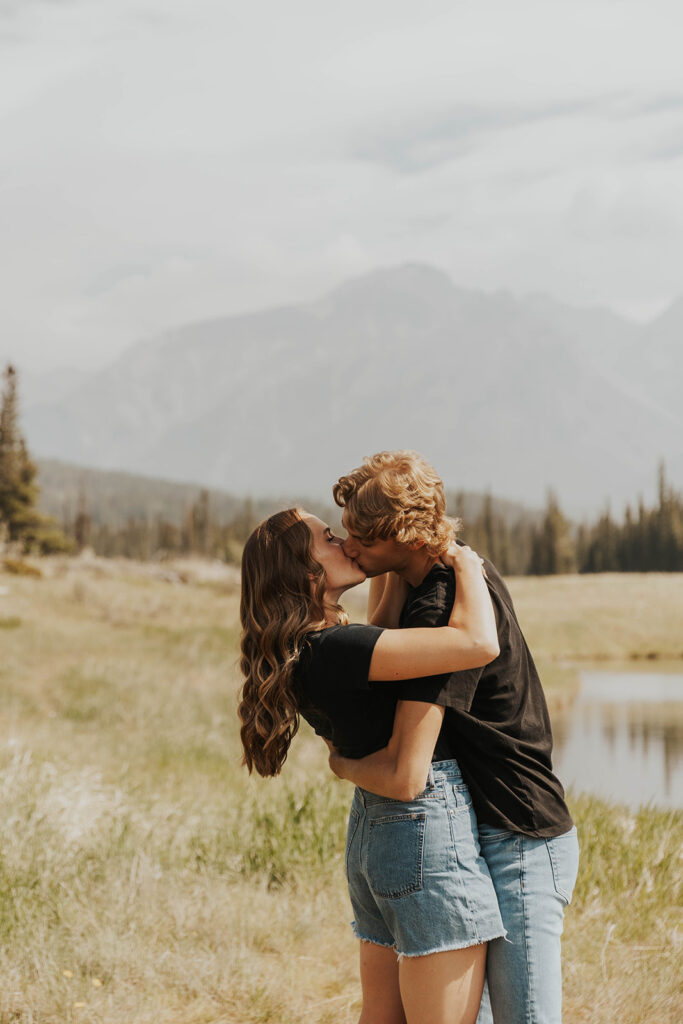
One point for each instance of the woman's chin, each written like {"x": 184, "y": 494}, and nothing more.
{"x": 360, "y": 578}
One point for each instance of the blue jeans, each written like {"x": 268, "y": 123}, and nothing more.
{"x": 534, "y": 880}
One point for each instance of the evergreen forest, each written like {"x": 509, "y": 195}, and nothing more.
{"x": 122, "y": 515}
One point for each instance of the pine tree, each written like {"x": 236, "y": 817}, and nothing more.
{"x": 18, "y": 491}
{"x": 668, "y": 523}
{"x": 602, "y": 554}
{"x": 198, "y": 524}
{"x": 23, "y": 524}
{"x": 553, "y": 549}
{"x": 490, "y": 548}
{"x": 245, "y": 520}
{"x": 82, "y": 522}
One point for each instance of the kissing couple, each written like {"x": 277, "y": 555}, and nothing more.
{"x": 461, "y": 854}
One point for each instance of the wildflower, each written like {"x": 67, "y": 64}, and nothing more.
{"x": 79, "y": 1006}
{"x": 96, "y": 983}
{"x": 67, "y": 973}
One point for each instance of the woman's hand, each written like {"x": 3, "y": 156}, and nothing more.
{"x": 335, "y": 760}
{"x": 461, "y": 558}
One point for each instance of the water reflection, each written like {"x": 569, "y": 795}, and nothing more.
{"x": 623, "y": 738}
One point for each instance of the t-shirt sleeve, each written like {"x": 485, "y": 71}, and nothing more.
{"x": 454, "y": 690}
{"x": 345, "y": 656}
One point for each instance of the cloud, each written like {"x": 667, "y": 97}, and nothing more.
{"x": 168, "y": 160}
{"x": 27, "y": 11}
{"x": 671, "y": 150}
{"x": 111, "y": 277}
{"x": 433, "y": 138}
{"x": 659, "y": 104}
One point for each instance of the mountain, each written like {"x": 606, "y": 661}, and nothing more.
{"x": 112, "y": 497}
{"x": 510, "y": 394}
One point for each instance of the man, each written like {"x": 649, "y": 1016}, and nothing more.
{"x": 495, "y": 724}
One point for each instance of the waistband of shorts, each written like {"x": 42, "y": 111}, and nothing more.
{"x": 444, "y": 770}
{"x": 439, "y": 772}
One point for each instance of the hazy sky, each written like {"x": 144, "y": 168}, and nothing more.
{"x": 169, "y": 160}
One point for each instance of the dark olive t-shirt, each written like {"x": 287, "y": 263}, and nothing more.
{"x": 334, "y": 694}
{"x": 496, "y": 722}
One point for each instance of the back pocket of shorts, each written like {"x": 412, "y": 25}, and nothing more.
{"x": 395, "y": 846}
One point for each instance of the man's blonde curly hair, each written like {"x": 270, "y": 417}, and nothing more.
{"x": 396, "y": 496}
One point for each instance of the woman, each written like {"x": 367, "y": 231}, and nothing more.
{"x": 418, "y": 886}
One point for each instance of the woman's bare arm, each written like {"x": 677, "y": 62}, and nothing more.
{"x": 400, "y": 769}
{"x": 470, "y": 639}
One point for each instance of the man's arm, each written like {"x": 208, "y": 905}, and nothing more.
{"x": 400, "y": 769}
{"x": 377, "y": 585}
{"x": 392, "y": 592}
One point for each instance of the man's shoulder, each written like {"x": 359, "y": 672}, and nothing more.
{"x": 491, "y": 571}
{"x": 498, "y": 586}
{"x": 430, "y": 602}
{"x": 437, "y": 584}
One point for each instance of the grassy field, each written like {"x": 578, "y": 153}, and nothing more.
{"x": 613, "y": 615}
{"x": 145, "y": 879}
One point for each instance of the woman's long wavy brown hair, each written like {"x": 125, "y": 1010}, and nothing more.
{"x": 283, "y": 591}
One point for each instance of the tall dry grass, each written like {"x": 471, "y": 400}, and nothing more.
{"x": 145, "y": 878}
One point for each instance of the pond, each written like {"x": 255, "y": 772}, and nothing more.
{"x": 622, "y": 738}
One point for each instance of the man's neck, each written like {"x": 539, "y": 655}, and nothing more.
{"x": 416, "y": 567}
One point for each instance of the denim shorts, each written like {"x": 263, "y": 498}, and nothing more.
{"x": 417, "y": 880}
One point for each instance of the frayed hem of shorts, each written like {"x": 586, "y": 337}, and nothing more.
{"x": 428, "y": 952}
{"x": 374, "y": 942}
{"x": 467, "y": 944}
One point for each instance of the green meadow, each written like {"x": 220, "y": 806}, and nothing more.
{"x": 146, "y": 879}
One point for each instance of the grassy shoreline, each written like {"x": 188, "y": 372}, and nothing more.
{"x": 136, "y": 853}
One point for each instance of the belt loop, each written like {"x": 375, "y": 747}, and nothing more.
{"x": 430, "y": 778}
